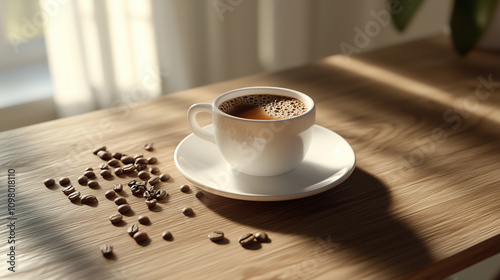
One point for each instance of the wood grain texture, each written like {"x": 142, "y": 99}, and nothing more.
{"x": 425, "y": 189}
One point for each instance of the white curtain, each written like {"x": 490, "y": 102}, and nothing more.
{"x": 109, "y": 52}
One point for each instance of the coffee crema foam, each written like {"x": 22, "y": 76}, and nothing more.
{"x": 263, "y": 106}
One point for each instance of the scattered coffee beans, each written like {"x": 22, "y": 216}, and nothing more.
{"x": 118, "y": 171}
{"x": 139, "y": 155}
{"x": 113, "y": 162}
{"x": 187, "y": 211}
{"x": 69, "y": 189}
{"x": 140, "y": 236}
{"x": 133, "y": 229}
{"x": 117, "y": 155}
{"x": 82, "y": 180}
{"x": 261, "y": 236}
{"x": 149, "y": 147}
{"x": 199, "y": 194}
{"x": 120, "y": 200}
{"x": 64, "y": 181}
{"x": 152, "y": 160}
{"x": 151, "y": 202}
{"x": 143, "y": 175}
{"x": 246, "y": 239}
{"x": 124, "y": 208}
{"x": 118, "y": 187}
{"x": 184, "y": 188}
{"x": 105, "y": 155}
{"x": 116, "y": 218}
{"x": 128, "y": 168}
{"x": 154, "y": 170}
{"x": 153, "y": 180}
{"x": 104, "y": 165}
{"x": 89, "y": 174}
{"x": 164, "y": 177}
{"x": 167, "y": 235}
{"x": 127, "y": 159}
{"x": 110, "y": 194}
{"x": 143, "y": 220}
{"x": 107, "y": 250}
{"x": 98, "y": 149}
{"x": 49, "y": 182}
{"x": 74, "y": 196}
{"x": 93, "y": 184}
{"x": 105, "y": 173}
{"x": 216, "y": 235}
{"x": 88, "y": 199}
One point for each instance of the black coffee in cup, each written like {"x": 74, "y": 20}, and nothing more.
{"x": 263, "y": 107}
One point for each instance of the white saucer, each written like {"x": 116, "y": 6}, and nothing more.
{"x": 329, "y": 161}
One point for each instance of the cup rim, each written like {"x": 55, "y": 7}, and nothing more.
{"x": 303, "y": 96}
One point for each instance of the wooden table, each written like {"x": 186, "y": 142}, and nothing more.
{"x": 423, "y": 202}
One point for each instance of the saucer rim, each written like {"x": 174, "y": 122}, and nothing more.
{"x": 258, "y": 197}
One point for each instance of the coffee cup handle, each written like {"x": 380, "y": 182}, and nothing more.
{"x": 195, "y": 126}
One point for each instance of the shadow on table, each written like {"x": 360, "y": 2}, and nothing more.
{"x": 354, "y": 215}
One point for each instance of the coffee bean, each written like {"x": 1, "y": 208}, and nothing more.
{"x": 167, "y": 235}
{"x": 151, "y": 202}
{"x": 154, "y": 170}
{"x": 116, "y": 218}
{"x": 152, "y": 160}
{"x": 69, "y": 189}
{"x": 82, "y": 180}
{"x": 164, "y": 177}
{"x": 143, "y": 175}
{"x": 128, "y": 168}
{"x": 140, "y": 236}
{"x": 106, "y": 173}
{"x": 141, "y": 160}
{"x": 187, "y": 211}
{"x": 89, "y": 174}
{"x": 140, "y": 167}
{"x": 246, "y": 239}
{"x": 113, "y": 162}
{"x": 139, "y": 155}
{"x": 89, "y": 169}
{"x": 107, "y": 250}
{"x": 137, "y": 190}
{"x": 124, "y": 208}
{"x": 49, "y": 182}
{"x": 216, "y": 235}
{"x": 98, "y": 149}
{"x": 153, "y": 180}
{"x": 92, "y": 184}
{"x": 118, "y": 187}
{"x": 117, "y": 155}
{"x": 261, "y": 236}
{"x": 149, "y": 147}
{"x": 133, "y": 229}
{"x": 120, "y": 200}
{"x": 199, "y": 194}
{"x": 105, "y": 155}
{"x": 143, "y": 220}
{"x": 161, "y": 194}
{"x": 118, "y": 171}
{"x": 184, "y": 188}
{"x": 74, "y": 196}
{"x": 64, "y": 181}
{"x": 88, "y": 199}
{"x": 109, "y": 194}
{"x": 127, "y": 159}
{"x": 132, "y": 182}
{"x": 104, "y": 165}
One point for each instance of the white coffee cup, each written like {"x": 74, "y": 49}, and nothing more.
{"x": 258, "y": 147}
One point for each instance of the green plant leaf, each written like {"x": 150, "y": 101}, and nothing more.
{"x": 402, "y": 11}
{"x": 469, "y": 20}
